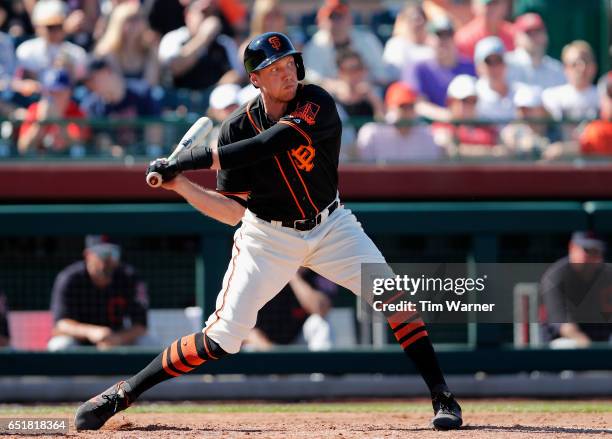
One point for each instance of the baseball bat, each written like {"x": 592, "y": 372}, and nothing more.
{"x": 194, "y": 136}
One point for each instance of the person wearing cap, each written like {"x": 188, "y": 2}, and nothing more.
{"x": 55, "y": 103}
{"x": 49, "y": 50}
{"x": 93, "y": 299}
{"x": 578, "y": 99}
{"x": 336, "y": 32}
{"x": 529, "y": 138}
{"x": 528, "y": 63}
{"x": 199, "y": 55}
{"x": 430, "y": 78}
{"x": 489, "y": 20}
{"x": 400, "y": 138}
{"x": 596, "y": 139}
{"x": 223, "y": 101}
{"x": 112, "y": 96}
{"x": 459, "y": 138}
{"x": 571, "y": 290}
{"x": 409, "y": 43}
{"x": 495, "y": 91}
{"x": 354, "y": 91}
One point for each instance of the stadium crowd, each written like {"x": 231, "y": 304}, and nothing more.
{"x": 463, "y": 82}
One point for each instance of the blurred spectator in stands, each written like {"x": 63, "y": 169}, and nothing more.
{"x": 130, "y": 45}
{"x": 336, "y": 32}
{"x": 495, "y": 92}
{"x": 489, "y": 20}
{"x": 296, "y": 315}
{"x": 223, "y": 101}
{"x": 15, "y": 18}
{"x": 596, "y": 139}
{"x": 528, "y": 63}
{"x": 50, "y": 49}
{"x": 7, "y": 60}
{"x": 112, "y": 97}
{"x": 459, "y": 136}
{"x": 578, "y": 99}
{"x": 81, "y": 21}
{"x": 570, "y": 282}
{"x": 165, "y": 15}
{"x": 431, "y": 78}
{"x": 93, "y": 299}
{"x": 55, "y": 103}
{"x": 401, "y": 138}
{"x": 408, "y": 45}
{"x": 7, "y": 67}
{"x": 198, "y": 55}
{"x": 529, "y": 138}
{"x": 354, "y": 91}
{"x": 5, "y": 339}
{"x": 459, "y": 11}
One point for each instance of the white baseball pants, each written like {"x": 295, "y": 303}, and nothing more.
{"x": 267, "y": 256}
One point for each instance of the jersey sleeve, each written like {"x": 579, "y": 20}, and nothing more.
{"x": 231, "y": 182}
{"x": 61, "y": 306}
{"x": 315, "y": 117}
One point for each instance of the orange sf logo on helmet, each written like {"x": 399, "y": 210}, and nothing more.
{"x": 275, "y": 42}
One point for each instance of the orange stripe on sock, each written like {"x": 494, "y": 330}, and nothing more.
{"x": 166, "y": 368}
{"x": 414, "y": 338}
{"x": 394, "y": 297}
{"x": 176, "y": 360}
{"x": 188, "y": 347}
{"x": 409, "y": 328}
{"x": 400, "y": 317}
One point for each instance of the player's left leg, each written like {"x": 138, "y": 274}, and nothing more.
{"x": 338, "y": 256}
{"x": 182, "y": 356}
{"x": 264, "y": 259}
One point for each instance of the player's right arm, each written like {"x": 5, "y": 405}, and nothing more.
{"x": 209, "y": 202}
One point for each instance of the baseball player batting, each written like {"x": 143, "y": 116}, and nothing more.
{"x": 277, "y": 163}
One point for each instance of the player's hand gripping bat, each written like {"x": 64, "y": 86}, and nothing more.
{"x": 194, "y": 136}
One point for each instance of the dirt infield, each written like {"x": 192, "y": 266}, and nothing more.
{"x": 388, "y": 419}
{"x": 352, "y": 425}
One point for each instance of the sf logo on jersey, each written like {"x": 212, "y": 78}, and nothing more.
{"x": 303, "y": 157}
{"x": 275, "y": 42}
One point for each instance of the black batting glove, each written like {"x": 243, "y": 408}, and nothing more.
{"x": 167, "y": 169}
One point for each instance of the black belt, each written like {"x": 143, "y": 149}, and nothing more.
{"x": 308, "y": 223}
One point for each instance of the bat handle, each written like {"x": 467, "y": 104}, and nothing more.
{"x": 154, "y": 179}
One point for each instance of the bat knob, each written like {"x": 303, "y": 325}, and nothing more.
{"x": 154, "y": 179}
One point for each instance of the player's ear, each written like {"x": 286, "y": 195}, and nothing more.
{"x": 254, "y": 79}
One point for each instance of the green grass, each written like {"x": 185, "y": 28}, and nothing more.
{"x": 499, "y": 406}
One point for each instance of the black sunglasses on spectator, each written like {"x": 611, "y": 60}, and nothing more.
{"x": 443, "y": 34}
{"x": 494, "y": 60}
{"x": 54, "y": 27}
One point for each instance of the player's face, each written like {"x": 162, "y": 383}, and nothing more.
{"x": 279, "y": 80}
{"x": 100, "y": 266}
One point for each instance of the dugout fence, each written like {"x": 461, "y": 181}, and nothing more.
{"x": 195, "y": 262}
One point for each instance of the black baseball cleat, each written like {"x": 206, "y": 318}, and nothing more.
{"x": 93, "y": 414}
{"x": 447, "y": 412}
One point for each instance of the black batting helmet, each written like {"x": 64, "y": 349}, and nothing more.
{"x": 267, "y": 48}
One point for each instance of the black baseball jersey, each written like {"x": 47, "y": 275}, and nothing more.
{"x": 76, "y": 297}
{"x": 563, "y": 289}
{"x": 298, "y": 182}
